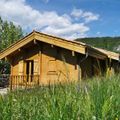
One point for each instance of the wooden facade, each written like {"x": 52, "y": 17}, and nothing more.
{"x": 44, "y": 59}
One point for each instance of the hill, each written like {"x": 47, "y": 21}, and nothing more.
{"x": 109, "y": 43}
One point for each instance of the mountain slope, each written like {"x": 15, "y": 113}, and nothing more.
{"x": 109, "y": 43}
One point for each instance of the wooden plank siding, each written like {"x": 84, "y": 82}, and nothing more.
{"x": 53, "y": 68}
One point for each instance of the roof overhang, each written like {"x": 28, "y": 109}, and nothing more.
{"x": 70, "y": 45}
{"x": 14, "y": 47}
{"x": 111, "y": 55}
{"x": 67, "y": 44}
{"x": 78, "y": 47}
{"x": 96, "y": 53}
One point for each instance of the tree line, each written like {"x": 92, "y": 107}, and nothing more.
{"x": 108, "y": 43}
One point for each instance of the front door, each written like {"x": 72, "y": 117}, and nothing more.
{"x": 29, "y": 70}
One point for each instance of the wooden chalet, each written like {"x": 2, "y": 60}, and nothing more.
{"x": 41, "y": 59}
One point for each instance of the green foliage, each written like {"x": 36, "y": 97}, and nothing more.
{"x": 9, "y": 33}
{"x": 95, "y": 99}
{"x": 4, "y": 67}
{"x": 109, "y": 43}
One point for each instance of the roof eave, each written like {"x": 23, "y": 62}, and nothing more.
{"x": 96, "y": 53}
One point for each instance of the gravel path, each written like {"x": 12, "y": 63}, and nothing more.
{"x": 3, "y": 91}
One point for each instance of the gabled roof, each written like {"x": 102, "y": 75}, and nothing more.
{"x": 71, "y": 45}
{"x": 75, "y": 46}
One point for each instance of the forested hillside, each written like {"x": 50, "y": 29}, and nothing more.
{"x": 109, "y": 43}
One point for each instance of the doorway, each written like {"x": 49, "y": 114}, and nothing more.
{"x": 29, "y": 70}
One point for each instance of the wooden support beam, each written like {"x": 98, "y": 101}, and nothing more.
{"x": 108, "y": 67}
{"x": 6, "y": 59}
{"x": 73, "y": 53}
{"x": 19, "y": 49}
{"x": 52, "y": 45}
{"x": 35, "y": 42}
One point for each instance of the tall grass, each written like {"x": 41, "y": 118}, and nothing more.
{"x": 94, "y": 99}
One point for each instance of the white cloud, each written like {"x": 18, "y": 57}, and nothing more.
{"x": 98, "y": 33}
{"x": 70, "y": 32}
{"x": 50, "y": 22}
{"x": 77, "y": 13}
{"x": 87, "y": 16}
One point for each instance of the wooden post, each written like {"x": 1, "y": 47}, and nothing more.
{"x": 108, "y": 67}
{"x": 73, "y": 53}
{"x": 40, "y": 64}
{"x": 52, "y": 45}
{"x": 35, "y": 42}
{"x": 19, "y": 49}
{"x": 79, "y": 68}
{"x": 79, "y": 73}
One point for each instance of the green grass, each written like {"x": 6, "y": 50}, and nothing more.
{"x": 93, "y": 99}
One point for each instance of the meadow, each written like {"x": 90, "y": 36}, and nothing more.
{"x": 92, "y": 99}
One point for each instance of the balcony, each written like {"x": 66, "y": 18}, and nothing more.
{"x": 19, "y": 81}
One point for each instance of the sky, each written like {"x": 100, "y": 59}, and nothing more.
{"x": 69, "y": 19}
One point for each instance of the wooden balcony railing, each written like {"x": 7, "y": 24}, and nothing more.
{"x": 24, "y": 81}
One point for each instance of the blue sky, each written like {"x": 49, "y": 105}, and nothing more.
{"x": 65, "y": 18}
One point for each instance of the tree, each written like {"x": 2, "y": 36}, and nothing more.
{"x": 9, "y": 33}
